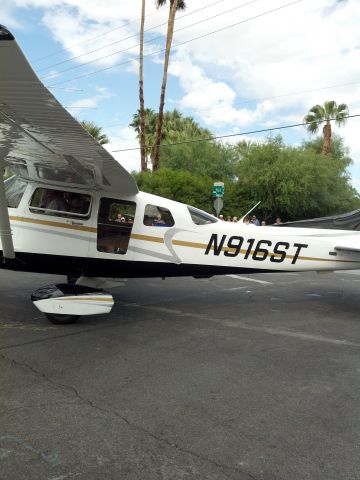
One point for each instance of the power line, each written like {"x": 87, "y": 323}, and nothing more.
{"x": 148, "y": 41}
{"x": 95, "y": 37}
{"x": 220, "y": 136}
{"x": 179, "y": 44}
{"x": 252, "y": 100}
{"x": 209, "y": 139}
{"x": 132, "y": 36}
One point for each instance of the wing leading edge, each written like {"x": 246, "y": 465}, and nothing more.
{"x": 40, "y": 139}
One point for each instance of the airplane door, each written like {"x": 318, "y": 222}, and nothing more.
{"x": 115, "y": 223}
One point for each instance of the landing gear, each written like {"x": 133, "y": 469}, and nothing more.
{"x": 63, "y": 303}
{"x": 59, "y": 319}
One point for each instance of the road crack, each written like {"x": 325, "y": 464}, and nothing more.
{"x": 114, "y": 413}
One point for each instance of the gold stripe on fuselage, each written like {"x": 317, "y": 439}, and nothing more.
{"x": 147, "y": 238}
{"x": 50, "y": 223}
{"x": 181, "y": 243}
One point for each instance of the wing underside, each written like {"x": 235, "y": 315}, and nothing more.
{"x": 347, "y": 249}
{"x": 40, "y": 139}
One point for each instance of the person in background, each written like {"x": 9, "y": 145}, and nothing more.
{"x": 246, "y": 221}
{"x": 277, "y": 221}
{"x": 235, "y": 219}
{"x": 255, "y": 221}
{"x": 221, "y": 217}
{"x": 263, "y": 223}
{"x": 228, "y": 218}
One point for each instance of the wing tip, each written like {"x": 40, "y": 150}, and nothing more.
{"x": 5, "y": 34}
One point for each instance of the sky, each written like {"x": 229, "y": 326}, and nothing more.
{"x": 236, "y": 65}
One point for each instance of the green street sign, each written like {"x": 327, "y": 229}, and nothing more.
{"x": 218, "y": 189}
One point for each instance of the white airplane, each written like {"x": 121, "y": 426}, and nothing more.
{"x": 71, "y": 209}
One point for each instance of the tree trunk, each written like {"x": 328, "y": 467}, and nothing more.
{"x": 327, "y": 138}
{"x": 169, "y": 36}
{"x": 141, "y": 93}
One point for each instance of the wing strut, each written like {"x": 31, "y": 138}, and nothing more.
{"x": 5, "y": 229}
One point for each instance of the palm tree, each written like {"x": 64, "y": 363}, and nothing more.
{"x": 148, "y": 129}
{"x": 141, "y": 93}
{"x": 95, "y": 131}
{"x": 174, "y": 6}
{"x": 177, "y": 128}
{"x": 325, "y": 113}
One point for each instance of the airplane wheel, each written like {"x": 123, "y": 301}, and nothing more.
{"x": 59, "y": 319}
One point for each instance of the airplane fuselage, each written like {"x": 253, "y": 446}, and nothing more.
{"x": 184, "y": 241}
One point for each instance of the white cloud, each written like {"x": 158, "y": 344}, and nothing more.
{"x": 78, "y": 106}
{"x": 133, "y": 67}
{"x": 8, "y": 16}
{"x": 213, "y": 100}
{"x": 124, "y": 138}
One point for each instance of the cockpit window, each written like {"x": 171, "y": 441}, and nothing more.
{"x": 158, "y": 217}
{"x": 14, "y": 190}
{"x": 201, "y": 218}
{"x": 60, "y": 203}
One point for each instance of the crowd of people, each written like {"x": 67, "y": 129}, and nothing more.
{"x": 249, "y": 221}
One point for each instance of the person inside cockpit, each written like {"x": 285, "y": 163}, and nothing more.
{"x": 158, "y": 221}
{"x": 54, "y": 200}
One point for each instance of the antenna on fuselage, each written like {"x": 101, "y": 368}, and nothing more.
{"x": 247, "y": 213}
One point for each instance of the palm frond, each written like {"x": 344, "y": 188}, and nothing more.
{"x": 330, "y": 108}
{"x": 312, "y": 122}
{"x": 95, "y": 131}
{"x": 181, "y": 5}
{"x": 343, "y": 108}
{"x": 318, "y": 111}
{"x": 341, "y": 118}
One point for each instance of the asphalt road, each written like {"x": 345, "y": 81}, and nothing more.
{"x": 228, "y": 378}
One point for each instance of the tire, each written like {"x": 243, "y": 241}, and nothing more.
{"x": 59, "y": 319}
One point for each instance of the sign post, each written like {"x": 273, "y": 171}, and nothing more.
{"x": 218, "y": 205}
{"x": 218, "y": 193}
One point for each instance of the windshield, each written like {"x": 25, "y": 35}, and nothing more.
{"x": 14, "y": 190}
{"x": 201, "y": 218}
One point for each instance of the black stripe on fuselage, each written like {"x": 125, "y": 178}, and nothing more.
{"x": 99, "y": 267}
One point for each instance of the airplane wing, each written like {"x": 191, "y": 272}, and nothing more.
{"x": 40, "y": 139}
{"x": 347, "y": 249}
{"x": 343, "y": 221}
